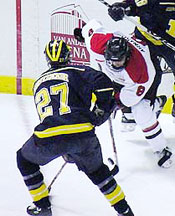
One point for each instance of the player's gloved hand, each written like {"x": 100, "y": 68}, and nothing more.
{"x": 116, "y": 12}
{"x": 78, "y": 35}
{"x": 98, "y": 112}
{"x": 99, "y": 116}
{"x": 118, "y": 104}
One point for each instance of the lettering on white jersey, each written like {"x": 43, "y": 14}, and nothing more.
{"x": 135, "y": 44}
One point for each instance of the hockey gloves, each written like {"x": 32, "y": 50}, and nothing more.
{"x": 116, "y": 13}
{"x": 118, "y": 10}
{"x": 98, "y": 116}
{"x": 99, "y": 112}
{"x": 78, "y": 34}
{"x": 101, "y": 115}
{"x": 118, "y": 104}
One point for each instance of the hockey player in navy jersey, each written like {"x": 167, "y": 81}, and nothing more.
{"x": 67, "y": 127}
{"x": 159, "y": 18}
{"x": 128, "y": 64}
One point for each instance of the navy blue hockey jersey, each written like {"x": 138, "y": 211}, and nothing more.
{"x": 63, "y": 99}
{"x": 157, "y": 15}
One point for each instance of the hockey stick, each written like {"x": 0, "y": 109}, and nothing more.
{"x": 115, "y": 170}
{"x": 56, "y": 176}
{"x": 143, "y": 28}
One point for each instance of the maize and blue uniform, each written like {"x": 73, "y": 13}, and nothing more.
{"x": 64, "y": 102}
{"x": 159, "y": 17}
{"x": 63, "y": 99}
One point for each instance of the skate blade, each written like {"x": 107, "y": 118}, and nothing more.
{"x": 170, "y": 162}
{"x": 128, "y": 127}
{"x": 167, "y": 164}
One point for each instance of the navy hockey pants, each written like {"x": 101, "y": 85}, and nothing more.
{"x": 85, "y": 152}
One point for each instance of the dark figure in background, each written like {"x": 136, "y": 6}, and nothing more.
{"x": 159, "y": 18}
{"x": 63, "y": 100}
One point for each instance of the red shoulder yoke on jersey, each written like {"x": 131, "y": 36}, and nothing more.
{"x": 136, "y": 67}
{"x": 99, "y": 41}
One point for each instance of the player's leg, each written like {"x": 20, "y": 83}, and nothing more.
{"x": 169, "y": 57}
{"x": 128, "y": 123}
{"x": 152, "y": 131}
{"x": 34, "y": 180}
{"x": 173, "y": 107}
{"x": 29, "y": 159}
{"x": 90, "y": 161}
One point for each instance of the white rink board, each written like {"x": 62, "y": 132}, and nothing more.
{"x": 36, "y": 29}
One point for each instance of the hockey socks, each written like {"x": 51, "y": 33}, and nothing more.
{"x": 33, "y": 179}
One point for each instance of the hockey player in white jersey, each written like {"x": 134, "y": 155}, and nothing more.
{"x": 128, "y": 64}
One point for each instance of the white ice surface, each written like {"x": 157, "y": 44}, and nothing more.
{"x": 150, "y": 190}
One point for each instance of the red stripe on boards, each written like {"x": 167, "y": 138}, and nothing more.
{"x": 18, "y": 47}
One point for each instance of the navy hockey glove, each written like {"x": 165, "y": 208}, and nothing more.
{"x": 100, "y": 116}
{"x": 99, "y": 112}
{"x": 78, "y": 34}
{"x": 116, "y": 12}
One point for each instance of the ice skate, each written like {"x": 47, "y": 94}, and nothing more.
{"x": 162, "y": 100}
{"x": 128, "y": 125}
{"x": 173, "y": 112}
{"x": 128, "y": 212}
{"x": 165, "y": 158}
{"x": 34, "y": 210}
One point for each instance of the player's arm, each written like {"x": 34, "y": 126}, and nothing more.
{"x": 102, "y": 88}
{"x": 94, "y": 36}
{"x": 84, "y": 34}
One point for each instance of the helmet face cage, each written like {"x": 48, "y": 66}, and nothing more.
{"x": 117, "y": 48}
{"x": 57, "y": 53}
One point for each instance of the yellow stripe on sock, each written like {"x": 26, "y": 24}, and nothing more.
{"x": 115, "y": 196}
{"x": 39, "y": 193}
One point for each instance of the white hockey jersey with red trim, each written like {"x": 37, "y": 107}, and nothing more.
{"x": 137, "y": 77}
